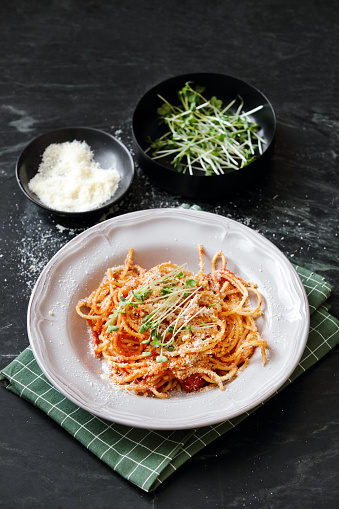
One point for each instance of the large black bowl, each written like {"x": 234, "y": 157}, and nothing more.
{"x": 108, "y": 152}
{"x": 146, "y": 126}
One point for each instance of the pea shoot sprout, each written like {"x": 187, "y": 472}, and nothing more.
{"x": 172, "y": 293}
{"x": 203, "y": 136}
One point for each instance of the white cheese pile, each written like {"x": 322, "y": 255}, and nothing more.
{"x": 69, "y": 180}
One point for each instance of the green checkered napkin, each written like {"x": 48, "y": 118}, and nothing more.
{"x": 148, "y": 457}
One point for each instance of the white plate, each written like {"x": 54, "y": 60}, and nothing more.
{"x": 60, "y": 339}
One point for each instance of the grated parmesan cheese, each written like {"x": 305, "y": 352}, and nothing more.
{"x": 69, "y": 180}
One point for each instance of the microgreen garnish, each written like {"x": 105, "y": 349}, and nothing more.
{"x": 166, "y": 291}
{"x": 111, "y": 328}
{"x": 172, "y": 293}
{"x": 147, "y": 317}
{"x": 190, "y": 283}
{"x": 161, "y": 358}
{"x": 204, "y": 136}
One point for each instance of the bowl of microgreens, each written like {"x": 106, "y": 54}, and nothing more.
{"x": 204, "y": 135}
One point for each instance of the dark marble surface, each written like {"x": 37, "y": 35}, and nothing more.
{"x": 87, "y": 63}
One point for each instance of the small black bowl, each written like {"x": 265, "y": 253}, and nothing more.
{"x": 146, "y": 126}
{"x": 108, "y": 152}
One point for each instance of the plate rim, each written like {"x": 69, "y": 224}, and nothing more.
{"x": 146, "y": 215}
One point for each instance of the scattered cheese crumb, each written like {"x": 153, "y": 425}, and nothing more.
{"x": 69, "y": 180}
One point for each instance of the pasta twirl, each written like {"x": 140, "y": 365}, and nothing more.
{"x": 166, "y": 329}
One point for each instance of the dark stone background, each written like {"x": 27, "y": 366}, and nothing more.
{"x": 67, "y": 63}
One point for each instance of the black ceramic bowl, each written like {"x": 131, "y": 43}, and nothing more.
{"x": 108, "y": 152}
{"x": 146, "y": 126}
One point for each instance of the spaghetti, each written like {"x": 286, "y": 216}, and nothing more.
{"x": 165, "y": 329}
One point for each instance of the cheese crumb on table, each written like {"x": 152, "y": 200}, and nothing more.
{"x": 69, "y": 179}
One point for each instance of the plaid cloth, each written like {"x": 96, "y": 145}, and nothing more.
{"x": 148, "y": 457}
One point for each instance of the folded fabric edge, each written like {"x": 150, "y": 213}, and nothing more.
{"x": 68, "y": 415}
{"x": 196, "y": 443}
{"x": 3, "y": 380}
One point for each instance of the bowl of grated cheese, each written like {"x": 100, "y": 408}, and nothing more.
{"x": 75, "y": 171}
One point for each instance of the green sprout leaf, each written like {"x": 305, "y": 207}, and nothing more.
{"x": 190, "y": 283}
{"x": 161, "y": 358}
{"x": 206, "y": 136}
